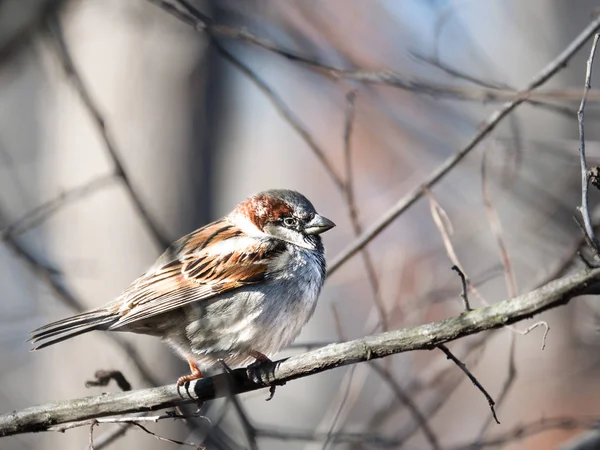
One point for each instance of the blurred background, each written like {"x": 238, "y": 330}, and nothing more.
{"x": 122, "y": 128}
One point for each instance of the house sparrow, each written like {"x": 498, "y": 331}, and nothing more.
{"x": 238, "y": 289}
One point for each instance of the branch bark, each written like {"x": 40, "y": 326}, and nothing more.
{"x": 49, "y": 417}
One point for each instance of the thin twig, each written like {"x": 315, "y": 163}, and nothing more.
{"x": 511, "y": 376}
{"x": 173, "y": 441}
{"x": 442, "y": 221}
{"x": 93, "y": 423}
{"x": 464, "y": 283}
{"x": 541, "y": 323}
{"x": 62, "y": 50}
{"x": 442, "y": 391}
{"x": 444, "y": 226}
{"x": 585, "y": 173}
{"x": 477, "y": 384}
{"x": 120, "y": 420}
{"x": 431, "y": 377}
{"x": 487, "y": 127}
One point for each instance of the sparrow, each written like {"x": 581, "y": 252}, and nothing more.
{"x": 236, "y": 290}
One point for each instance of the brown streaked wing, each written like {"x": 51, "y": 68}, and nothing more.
{"x": 198, "y": 275}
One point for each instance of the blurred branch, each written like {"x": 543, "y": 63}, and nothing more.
{"x": 38, "y": 215}
{"x": 350, "y": 197}
{"x": 585, "y": 172}
{"x": 423, "y": 337}
{"x": 510, "y": 280}
{"x": 57, "y": 38}
{"x": 31, "y": 18}
{"x": 562, "y": 94}
{"x": 200, "y": 22}
{"x": 184, "y": 11}
{"x": 249, "y": 429}
{"x": 406, "y": 400}
{"x": 484, "y": 130}
{"x": 285, "y": 111}
{"x": 517, "y": 433}
{"x": 496, "y": 228}
{"x": 49, "y": 276}
{"x": 521, "y": 432}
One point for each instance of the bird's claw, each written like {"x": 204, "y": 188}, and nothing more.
{"x": 262, "y": 373}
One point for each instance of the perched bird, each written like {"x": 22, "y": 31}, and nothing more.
{"x": 238, "y": 289}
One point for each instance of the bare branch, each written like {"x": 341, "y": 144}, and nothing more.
{"x": 553, "y": 294}
{"x": 585, "y": 173}
{"x": 464, "y": 283}
{"x": 467, "y": 372}
{"x": 93, "y": 423}
{"x": 511, "y": 376}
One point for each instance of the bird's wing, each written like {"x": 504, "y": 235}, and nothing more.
{"x": 215, "y": 259}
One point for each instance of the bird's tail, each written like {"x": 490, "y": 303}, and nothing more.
{"x": 99, "y": 319}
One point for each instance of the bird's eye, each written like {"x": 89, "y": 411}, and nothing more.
{"x": 290, "y": 222}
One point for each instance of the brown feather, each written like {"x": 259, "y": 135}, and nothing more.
{"x": 195, "y": 273}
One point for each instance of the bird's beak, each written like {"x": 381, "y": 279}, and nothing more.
{"x": 318, "y": 225}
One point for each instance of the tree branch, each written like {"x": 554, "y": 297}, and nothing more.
{"x": 585, "y": 172}
{"x": 423, "y": 337}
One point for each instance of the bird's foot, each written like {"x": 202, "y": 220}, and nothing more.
{"x": 261, "y": 373}
{"x": 184, "y": 381}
